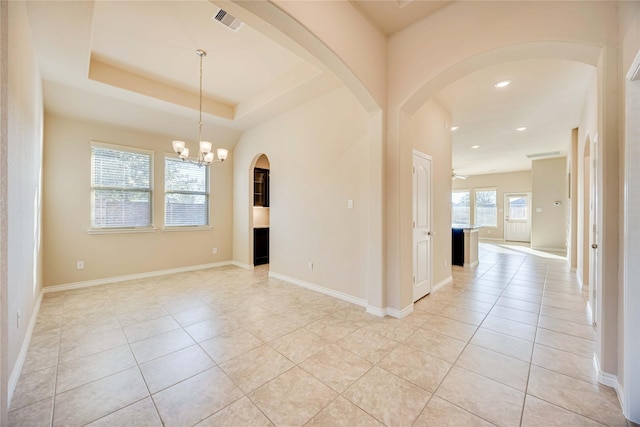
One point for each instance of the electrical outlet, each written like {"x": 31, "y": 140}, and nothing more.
{"x": 18, "y": 319}
{"x": 215, "y": 251}
{"x": 310, "y": 266}
{"x": 80, "y": 265}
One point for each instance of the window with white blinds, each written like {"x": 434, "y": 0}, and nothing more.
{"x": 186, "y": 194}
{"x": 121, "y": 184}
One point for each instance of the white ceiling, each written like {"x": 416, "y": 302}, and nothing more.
{"x": 546, "y": 96}
{"x": 133, "y": 64}
{"x": 161, "y": 39}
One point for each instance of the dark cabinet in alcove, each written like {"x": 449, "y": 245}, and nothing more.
{"x": 261, "y": 187}
{"x": 260, "y": 246}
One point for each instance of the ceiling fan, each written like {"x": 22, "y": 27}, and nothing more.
{"x": 455, "y": 176}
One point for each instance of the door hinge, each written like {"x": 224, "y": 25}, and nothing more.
{"x": 414, "y": 169}
{"x": 414, "y": 280}
{"x": 414, "y": 224}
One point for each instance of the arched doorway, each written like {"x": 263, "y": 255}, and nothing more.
{"x": 260, "y": 214}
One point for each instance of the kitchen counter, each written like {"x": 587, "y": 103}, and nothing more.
{"x": 464, "y": 245}
{"x": 466, "y": 226}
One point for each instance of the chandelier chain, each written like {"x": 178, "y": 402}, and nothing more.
{"x": 201, "y": 54}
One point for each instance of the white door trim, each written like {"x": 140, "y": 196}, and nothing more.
{"x": 630, "y": 395}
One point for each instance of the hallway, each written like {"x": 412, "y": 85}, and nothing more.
{"x": 509, "y": 343}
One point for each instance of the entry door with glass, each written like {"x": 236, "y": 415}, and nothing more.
{"x": 517, "y": 217}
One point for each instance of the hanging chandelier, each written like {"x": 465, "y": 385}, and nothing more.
{"x": 205, "y": 155}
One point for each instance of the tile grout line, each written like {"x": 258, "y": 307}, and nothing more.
{"x": 462, "y": 351}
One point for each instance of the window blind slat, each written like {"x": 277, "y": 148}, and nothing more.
{"x": 121, "y": 189}
{"x": 186, "y": 194}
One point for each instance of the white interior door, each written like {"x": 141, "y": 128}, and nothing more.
{"x": 421, "y": 225}
{"x": 517, "y": 217}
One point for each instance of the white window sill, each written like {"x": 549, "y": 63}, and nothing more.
{"x": 188, "y": 228}
{"x": 121, "y": 230}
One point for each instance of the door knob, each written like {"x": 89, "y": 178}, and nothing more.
{"x": 594, "y": 246}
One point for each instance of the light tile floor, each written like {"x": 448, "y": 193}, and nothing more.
{"x": 509, "y": 343}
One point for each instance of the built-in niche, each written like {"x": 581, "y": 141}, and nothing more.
{"x": 261, "y": 187}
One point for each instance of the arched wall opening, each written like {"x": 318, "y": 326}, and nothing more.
{"x": 259, "y": 215}
{"x": 578, "y": 52}
{"x": 399, "y": 282}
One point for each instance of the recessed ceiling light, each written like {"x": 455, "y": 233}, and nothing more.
{"x": 454, "y": 128}
{"x": 522, "y": 128}
{"x": 502, "y": 84}
{"x": 475, "y": 146}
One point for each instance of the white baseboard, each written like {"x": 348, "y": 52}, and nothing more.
{"x": 107, "y": 280}
{"x": 609, "y": 380}
{"x": 380, "y": 312}
{"x": 470, "y": 264}
{"x": 22, "y": 356}
{"x": 317, "y": 288}
{"x": 442, "y": 283}
{"x": 579, "y": 279}
{"x": 605, "y": 378}
{"x": 399, "y": 314}
{"x": 242, "y": 265}
{"x": 545, "y": 249}
{"x": 491, "y": 239}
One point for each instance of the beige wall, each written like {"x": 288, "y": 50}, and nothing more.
{"x": 318, "y": 159}
{"x": 67, "y": 179}
{"x": 24, "y": 214}
{"x": 549, "y": 203}
{"x": 431, "y": 137}
{"x": 512, "y": 182}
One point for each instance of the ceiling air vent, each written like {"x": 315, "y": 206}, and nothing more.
{"x": 548, "y": 154}
{"x": 227, "y": 19}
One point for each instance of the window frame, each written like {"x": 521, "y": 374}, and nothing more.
{"x": 127, "y": 229}
{"x": 461, "y": 190}
{"x": 475, "y": 206}
{"x": 172, "y": 157}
